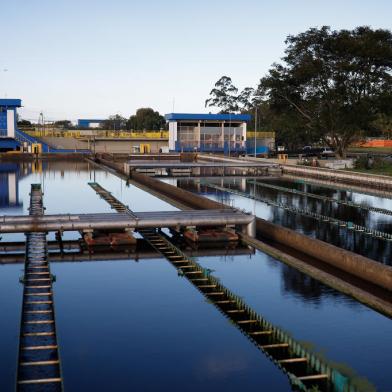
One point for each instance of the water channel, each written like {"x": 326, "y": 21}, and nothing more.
{"x": 126, "y": 324}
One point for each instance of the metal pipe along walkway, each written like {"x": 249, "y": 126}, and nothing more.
{"x": 114, "y": 221}
{"x": 39, "y": 360}
{"x": 304, "y": 370}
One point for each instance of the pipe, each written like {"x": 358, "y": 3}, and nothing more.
{"x": 122, "y": 221}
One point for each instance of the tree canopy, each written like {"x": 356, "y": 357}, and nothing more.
{"x": 115, "y": 122}
{"x": 146, "y": 119}
{"x": 63, "y": 124}
{"x": 224, "y": 95}
{"x": 24, "y": 123}
{"x": 332, "y": 86}
{"x": 334, "y": 83}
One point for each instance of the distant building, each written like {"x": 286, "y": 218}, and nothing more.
{"x": 207, "y": 132}
{"x": 9, "y": 186}
{"x": 8, "y": 124}
{"x": 89, "y": 123}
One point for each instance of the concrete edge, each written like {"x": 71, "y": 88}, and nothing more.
{"x": 330, "y": 280}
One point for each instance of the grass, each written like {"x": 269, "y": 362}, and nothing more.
{"x": 381, "y": 150}
{"x": 381, "y": 172}
{"x": 375, "y": 165}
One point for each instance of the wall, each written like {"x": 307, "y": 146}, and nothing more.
{"x": 355, "y": 264}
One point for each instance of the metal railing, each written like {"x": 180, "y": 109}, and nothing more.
{"x": 308, "y": 213}
{"x": 305, "y": 370}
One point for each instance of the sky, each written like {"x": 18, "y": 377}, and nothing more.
{"x": 92, "y": 58}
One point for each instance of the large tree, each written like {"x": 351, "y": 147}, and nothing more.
{"x": 24, "y": 123}
{"x": 63, "y": 124}
{"x": 146, "y": 119}
{"x": 115, "y": 123}
{"x": 333, "y": 83}
{"x": 224, "y": 96}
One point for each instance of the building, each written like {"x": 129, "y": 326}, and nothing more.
{"x": 8, "y": 124}
{"x": 207, "y": 132}
{"x": 90, "y": 123}
{"x": 264, "y": 141}
{"x": 9, "y": 186}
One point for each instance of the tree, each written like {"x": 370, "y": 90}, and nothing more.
{"x": 246, "y": 100}
{"x": 383, "y": 126}
{"x": 63, "y": 124}
{"x": 224, "y": 96}
{"x": 146, "y": 119}
{"x": 115, "y": 123}
{"x": 333, "y": 83}
{"x": 24, "y": 123}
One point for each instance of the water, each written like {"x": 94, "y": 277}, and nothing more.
{"x": 126, "y": 325}
{"x": 377, "y": 249}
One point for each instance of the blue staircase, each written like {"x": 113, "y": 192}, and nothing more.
{"x": 23, "y": 137}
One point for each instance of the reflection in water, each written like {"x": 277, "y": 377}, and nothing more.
{"x": 122, "y": 289}
{"x": 377, "y": 249}
{"x": 10, "y": 174}
{"x": 306, "y": 287}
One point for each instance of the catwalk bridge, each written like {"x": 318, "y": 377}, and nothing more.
{"x": 305, "y": 370}
{"x": 138, "y": 220}
{"x": 39, "y": 361}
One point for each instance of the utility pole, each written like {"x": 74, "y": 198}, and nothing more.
{"x": 255, "y": 127}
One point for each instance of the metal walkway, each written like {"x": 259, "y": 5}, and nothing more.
{"x": 321, "y": 197}
{"x": 304, "y": 370}
{"x": 117, "y": 221}
{"x": 39, "y": 360}
{"x": 139, "y": 164}
{"x": 308, "y": 213}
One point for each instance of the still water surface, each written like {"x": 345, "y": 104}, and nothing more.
{"x": 126, "y": 325}
{"x": 377, "y": 249}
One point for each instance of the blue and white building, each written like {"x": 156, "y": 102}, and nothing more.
{"x": 90, "y": 123}
{"x": 8, "y": 123}
{"x": 207, "y": 132}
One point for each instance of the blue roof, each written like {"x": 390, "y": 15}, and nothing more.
{"x": 89, "y": 120}
{"x": 207, "y": 117}
{"x": 16, "y": 103}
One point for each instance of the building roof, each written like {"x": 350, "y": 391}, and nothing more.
{"x": 207, "y": 117}
{"x": 89, "y": 120}
{"x": 11, "y": 103}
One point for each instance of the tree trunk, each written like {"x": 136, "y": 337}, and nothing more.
{"x": 341, "y": 151}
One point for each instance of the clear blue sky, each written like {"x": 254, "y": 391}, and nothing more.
{"x": 93, "y": 58}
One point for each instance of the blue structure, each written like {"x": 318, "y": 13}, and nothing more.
{"x": 89, "y": 123}
{"x": 8, "y": 116}
{"x": 222, "y": 133}
{"x": 8, "y": 124}
{"x": 9, "y": 186}
{"x": 11, "y": 137}
{"x": 208, "y": 117}
{"x": 263, "y": 146}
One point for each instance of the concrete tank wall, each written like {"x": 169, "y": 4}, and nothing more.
{"x": 350, "y": 262}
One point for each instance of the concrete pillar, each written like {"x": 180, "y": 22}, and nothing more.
{"x": 223, "y": 134}
{"x": 243, "y": 184}
{"x": 198, "y": 135}
{"x": 172, "y": 135}
{"x": 11, "y": 122}
{"x": 243, "y": 134}
{"x": 250, "y": 228}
